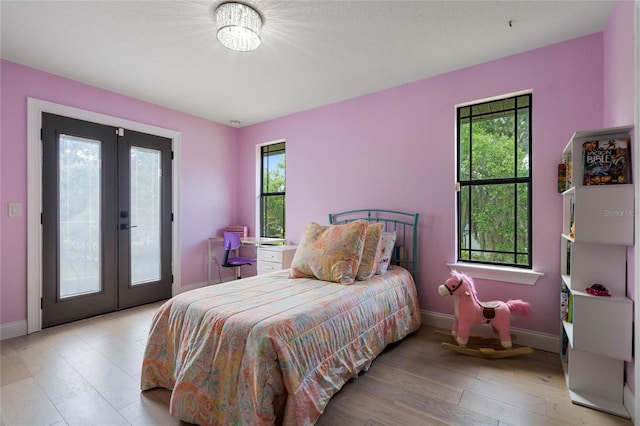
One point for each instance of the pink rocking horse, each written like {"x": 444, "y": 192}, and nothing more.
{"x": 469, "y": 310}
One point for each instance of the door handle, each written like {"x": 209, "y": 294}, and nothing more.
{"x": 125, "y": 226}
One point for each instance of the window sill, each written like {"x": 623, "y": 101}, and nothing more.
{"x": 497, "y": 273}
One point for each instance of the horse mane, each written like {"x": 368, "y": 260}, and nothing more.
{"x": 467, "y": 278}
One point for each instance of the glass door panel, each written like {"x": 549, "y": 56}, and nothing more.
{"x": 144, "y": 202}
{"x": 145, "y": 209}
{"x": 79, "y": 219}
{"x": 79, "y": 216}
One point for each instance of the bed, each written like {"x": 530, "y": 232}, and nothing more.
{"x": 271, "y": 349}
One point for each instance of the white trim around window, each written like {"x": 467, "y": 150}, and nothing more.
{"x": 497, "y": 273}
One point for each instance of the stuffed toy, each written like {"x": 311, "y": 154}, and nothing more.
{"x": 469, "y": 310}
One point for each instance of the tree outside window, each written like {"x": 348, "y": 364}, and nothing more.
{"x": 272, "y": 193}
{"x": 494, "y": 174}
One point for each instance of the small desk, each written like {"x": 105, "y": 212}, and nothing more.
{"x": 246, "y": 241}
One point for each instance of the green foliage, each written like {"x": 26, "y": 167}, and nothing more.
{"x": 275, "y": 177}
{"x": 489, "y": 225}
{"x": 272, "y": 200}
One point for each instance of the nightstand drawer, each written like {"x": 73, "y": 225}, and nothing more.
{"x": 269, "y": 255}
{"x": 274, "y": 258}
{"x": 266, "y": 267}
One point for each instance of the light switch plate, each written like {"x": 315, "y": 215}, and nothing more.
{"x": 15, "y": 209}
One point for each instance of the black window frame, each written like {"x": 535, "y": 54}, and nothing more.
{"x": 513, "y": 180}
{"x": 266, "y": 150}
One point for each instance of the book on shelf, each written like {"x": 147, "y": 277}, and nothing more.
{"x": 562, "y": 177}
{"x": 568, "y": 171}
{"x": 572, "y": 219}
{"x": 564, "y": 302}
{"x": 606, "y": 162}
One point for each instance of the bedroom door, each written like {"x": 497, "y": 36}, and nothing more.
{"x": 106, "y": 219}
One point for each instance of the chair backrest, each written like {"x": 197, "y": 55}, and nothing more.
{"x": 231, "y": 240}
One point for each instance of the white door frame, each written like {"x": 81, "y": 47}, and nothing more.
{"x": 35, "y": 108}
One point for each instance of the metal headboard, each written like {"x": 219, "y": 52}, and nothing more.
{"x": 405, "y": 225}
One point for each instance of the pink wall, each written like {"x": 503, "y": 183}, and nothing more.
{"x": 619, "y": 65}
{"x": 619, "y": 91}
{"x": 395, "y": 149}
{"x": 208, "y": 193}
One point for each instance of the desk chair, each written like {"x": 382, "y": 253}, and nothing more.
{"x": 232, "y": 242}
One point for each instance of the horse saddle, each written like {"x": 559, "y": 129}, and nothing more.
{"x": 489, "y": 309}
{"x": 488, "y": 313}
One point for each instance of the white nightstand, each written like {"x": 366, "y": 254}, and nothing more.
{"x": 274, "y": 258}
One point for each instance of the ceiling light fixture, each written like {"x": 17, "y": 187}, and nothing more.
{"x": 238, "y": 26}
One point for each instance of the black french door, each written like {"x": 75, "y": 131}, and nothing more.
{"x": 106, "y": 219}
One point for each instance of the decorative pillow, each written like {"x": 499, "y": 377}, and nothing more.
{"x": 330, "y": 253}
{"x": 387, "y": 242}
{"x": 370, "y": 254}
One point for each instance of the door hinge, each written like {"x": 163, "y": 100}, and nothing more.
{"x": 172, "y": 155}
{"x": 41, "y": 219}
{"x": 171, "y": 278}
{"x": 41, "y": 134}
{"x": 41, "y": 303}
{"x": 171, "y": 217}
{"x": 120, "y": 131}
{"x": 457, "y": 186}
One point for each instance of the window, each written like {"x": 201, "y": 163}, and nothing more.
{"x": 272, "y": 190}
{"x": 494, "y": 175}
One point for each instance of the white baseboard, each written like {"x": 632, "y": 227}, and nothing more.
{"x": 13, "y": 329}
{"x": 628, "y": 399}
{"x": 534, "y": 339}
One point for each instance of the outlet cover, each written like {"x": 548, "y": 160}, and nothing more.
{"x": 15, "y": 209}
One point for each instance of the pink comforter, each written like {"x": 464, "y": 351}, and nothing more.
{"x": 270, "y": 349}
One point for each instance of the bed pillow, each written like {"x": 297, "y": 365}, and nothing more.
{"x": 370, "y": 253}
{"x": 387, "y": 242}
{"x": 330, "y": 252}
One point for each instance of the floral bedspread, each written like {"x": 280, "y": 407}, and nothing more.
{"x": 270, "y": 349}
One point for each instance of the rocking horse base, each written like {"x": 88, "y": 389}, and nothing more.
{"x": 483, "y": 352}
{"x": 488, "y": 352}
{"x": 474, "y": 339}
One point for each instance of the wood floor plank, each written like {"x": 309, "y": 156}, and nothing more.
{"x": 365, "y": 406}
{"x": 90, "y": 409}
{"x": 577, "y": 415}
{"x": 12, "y": 370}
{"x": 24, "y": 403}
{"x": 413, "y": 384}
{"x": 511, "y": 414}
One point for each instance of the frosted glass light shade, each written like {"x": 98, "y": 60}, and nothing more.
{"x": 238, "y": 27}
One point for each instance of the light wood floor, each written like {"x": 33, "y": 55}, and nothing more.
{"x": 88, "y": 372}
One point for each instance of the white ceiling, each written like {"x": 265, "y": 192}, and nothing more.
{"x": 313, "y": 53}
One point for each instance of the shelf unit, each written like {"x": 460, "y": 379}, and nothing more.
{"x": 599, "y": 335}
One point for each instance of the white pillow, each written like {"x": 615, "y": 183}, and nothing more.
{"x": 387, "y": 242}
